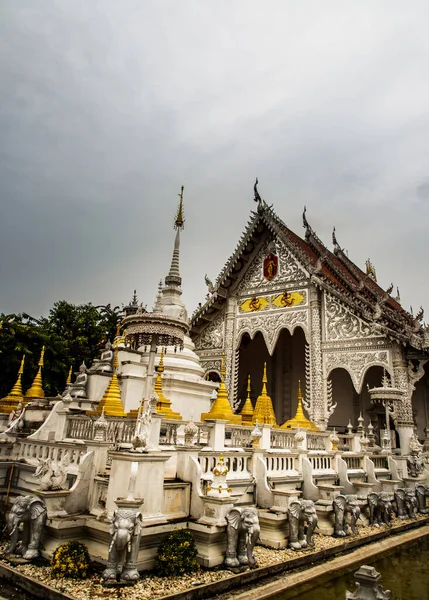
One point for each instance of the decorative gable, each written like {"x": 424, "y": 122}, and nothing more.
{"x": 265, "y": 273}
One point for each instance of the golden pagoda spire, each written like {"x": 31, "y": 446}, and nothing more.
{"x": 69, "y": 376}
{"x": 111, "y": 400}
{"x": 299, "y": 420}
{"x": 16, "y": 394}
{"x": 36, "y": 390}
{"x": 221, "y": 408}
{"x": 247, "y": 410}
{"x": 163, "y": 406}
{"x": 264, "y": 411}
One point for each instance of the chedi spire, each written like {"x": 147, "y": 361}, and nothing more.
{"x": 173, "y": 278}
{"x": 15, "y": 396}
{"x": 36, "y": 390}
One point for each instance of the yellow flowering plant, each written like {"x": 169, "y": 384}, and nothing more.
{"x": 177, "y": 554}
{"x": 71, "y": 560}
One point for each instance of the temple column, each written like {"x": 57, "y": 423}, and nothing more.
{"x": 404, "y": 412}
{"x": 317, "y": 381}
{"x": 231, "y": 356}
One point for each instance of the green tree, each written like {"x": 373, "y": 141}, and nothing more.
{"x": 71, "y": 334}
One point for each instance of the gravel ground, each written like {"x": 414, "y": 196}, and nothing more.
{"x": 150, "y": 587}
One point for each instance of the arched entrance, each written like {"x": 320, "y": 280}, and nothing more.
{"x": 346, "y": 398}
{"x": 284, "y": 369}
{"x": 419, "y": 401}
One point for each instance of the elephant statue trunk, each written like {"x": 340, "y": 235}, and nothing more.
{"x": 343, "y": 506}
{"x": 31, "y": 512}
{"x": 422, "y": 493}
{"x": 302, "y": 513}
{"x": 381, "y": 508}
{"x": 243, "y": 533}
{"x": 125, "y": 533}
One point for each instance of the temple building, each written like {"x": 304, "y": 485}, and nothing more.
{"x": 312, "y": 316}
{"x": 297, "y": 381}
{"x": 297, "y": 328}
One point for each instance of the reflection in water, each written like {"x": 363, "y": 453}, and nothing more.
{"x": 404, "y": 572}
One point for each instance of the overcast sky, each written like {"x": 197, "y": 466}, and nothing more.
{"x": 108, "y": 107}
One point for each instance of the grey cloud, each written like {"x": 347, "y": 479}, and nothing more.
{"x": 108, "y": 108}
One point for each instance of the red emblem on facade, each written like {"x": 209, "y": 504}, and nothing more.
{"x": 271, "y": 265}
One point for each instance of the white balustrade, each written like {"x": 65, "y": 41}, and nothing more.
{"x": 321, "y": 463}
{"x": 238, "y": 436}
{"x": 318, "y": 441}
{"x": 278, "y": 465}
{"x": 33, "y": 451}
{"x": 239, "y": 465}
{"x": 284, "y": 440}
{"x": 353, "y": 463}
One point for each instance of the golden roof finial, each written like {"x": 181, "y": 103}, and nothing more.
{"x": 111, "y": 401}
{"x": 21, "y": 366}
{"x": 370, "y": 270}
{"x": 221, "y": 408}
{"x": 118, "y": 329}
{"x": 36, "y": 389}
{"x": 264, "y": 379}
{"x": 16, "y": 394}
{"x": 222, "y": 367}
{"x": 115, "y": 359}
{"x": 161, "y": 361}
{"x": 163, "y": 406}
{"x": 42, "y": 354}
{"x": 247, "y": 410}
{"x": 299, "y": 420}
{"x": 264, "y": 411}
{"x": 69, "y": 376}
{"x": 179, "y": 221}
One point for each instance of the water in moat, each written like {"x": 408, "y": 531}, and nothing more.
{"x": 405, "y": 573}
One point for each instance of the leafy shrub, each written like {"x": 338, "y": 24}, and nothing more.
{"x": 177, "y": 554}
{"x": 70, "y": 560}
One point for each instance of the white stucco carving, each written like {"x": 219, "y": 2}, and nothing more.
{"x": 270, "y": 325}
{"x": 212, "y": 336}
{"x": 342, "y": 324}
{"x": 356, "y": 363}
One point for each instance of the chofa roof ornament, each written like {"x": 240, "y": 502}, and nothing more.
{"x": 257, "y": 197}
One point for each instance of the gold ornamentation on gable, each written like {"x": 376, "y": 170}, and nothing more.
{"x": 288, "y": 299}
{"x": 254, "y": 304}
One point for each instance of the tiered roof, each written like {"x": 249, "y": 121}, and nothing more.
{"x": 332, "y": 271}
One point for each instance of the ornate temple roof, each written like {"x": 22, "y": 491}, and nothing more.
{"x": 331, "y": 271}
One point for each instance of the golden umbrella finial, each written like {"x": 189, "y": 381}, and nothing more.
{"x": 299, "y": 420}
{"x": 163, "y": 405}
{"x": 69, "y": 376}
{"x": 247, "y": 410}
{"x": 21, "y": 367}
{"x": 222, "y": 368}
{"x": 36, "y": 389}
{"x": 116, "y": 360}
{"x": 179, "y": 221}
{"x": 221, "y": 408}
{"x": 42, "y": 354}
{"x": 11, "y": 401}
{"x": 264, "y": 411}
